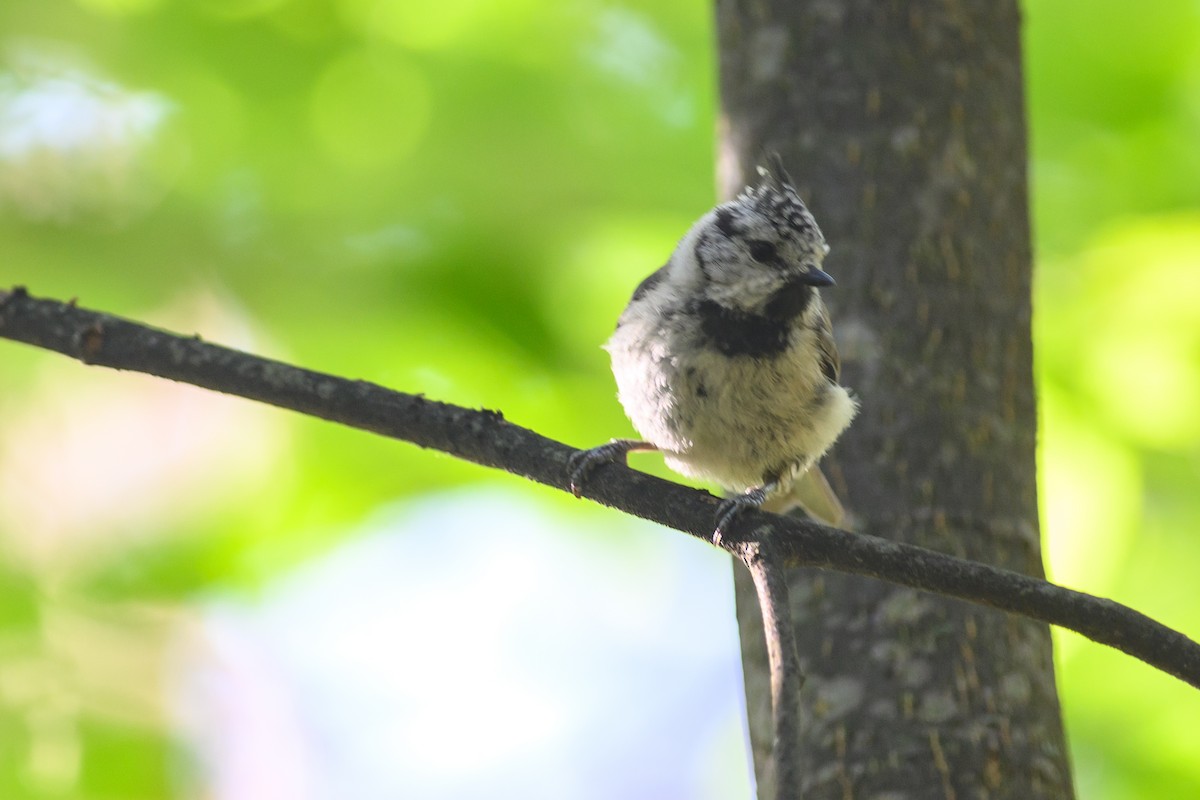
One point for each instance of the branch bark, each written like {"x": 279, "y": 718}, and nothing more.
{"x": 780, "y": 776}
{"x": 484, "y": 437}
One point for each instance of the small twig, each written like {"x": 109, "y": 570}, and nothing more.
{"x": 787, "y": 678}
{"x": 484, "y": 437}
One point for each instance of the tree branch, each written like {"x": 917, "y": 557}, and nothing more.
{"x": 781, "y": 778}
{"x": 485, "y": 437}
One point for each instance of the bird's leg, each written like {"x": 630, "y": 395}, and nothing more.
{"x": 730, "y": 507}
{"x": 584, "y": 461}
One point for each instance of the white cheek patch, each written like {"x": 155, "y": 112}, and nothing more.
{"x": 746, "y": 290}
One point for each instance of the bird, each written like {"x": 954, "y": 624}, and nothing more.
{"x": 725, "y": 362}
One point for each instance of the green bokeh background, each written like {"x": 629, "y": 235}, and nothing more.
{"x": 456, "y": 198}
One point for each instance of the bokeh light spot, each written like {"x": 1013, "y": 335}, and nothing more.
{"x": 119, "y": 7}
{"x": 1091, "y": 496}
{"x": 369, "y": 109}
{"x": 237, "y": 9}
{"x": 74, "y": 146}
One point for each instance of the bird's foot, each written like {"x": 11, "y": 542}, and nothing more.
{"x": 584, "y": 461}
{"x": 730, "y": 507}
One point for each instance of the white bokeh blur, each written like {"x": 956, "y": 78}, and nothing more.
{"x": 474, "y": 644}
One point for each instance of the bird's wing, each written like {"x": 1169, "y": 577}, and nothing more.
{"x": 831, "y": 365}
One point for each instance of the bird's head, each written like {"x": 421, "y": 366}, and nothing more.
{"x": 760, "y": 253}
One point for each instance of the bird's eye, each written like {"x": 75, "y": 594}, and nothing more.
{"x": 763, "y": 252}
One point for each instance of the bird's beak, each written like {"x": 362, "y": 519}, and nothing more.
{"x": 816, "y": 277}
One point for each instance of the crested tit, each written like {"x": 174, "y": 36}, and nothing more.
{"x": 724, "y": 359}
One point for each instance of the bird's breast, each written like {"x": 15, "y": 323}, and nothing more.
{"x": 733, "y": 413}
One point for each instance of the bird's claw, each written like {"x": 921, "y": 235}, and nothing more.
{"x": 731, "y": 507}
{"x": 582, "y": 462}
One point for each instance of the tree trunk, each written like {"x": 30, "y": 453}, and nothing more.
{"x": 903, "y": 126}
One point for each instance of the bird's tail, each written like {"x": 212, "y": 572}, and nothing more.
{"x": 813, "y": 493}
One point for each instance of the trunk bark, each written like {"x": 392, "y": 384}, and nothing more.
{"x": 903, "y": 126}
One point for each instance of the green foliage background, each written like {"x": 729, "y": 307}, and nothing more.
{"x": 456, "y": 198}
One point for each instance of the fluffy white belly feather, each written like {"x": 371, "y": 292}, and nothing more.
{"x": 738, "y": 421}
